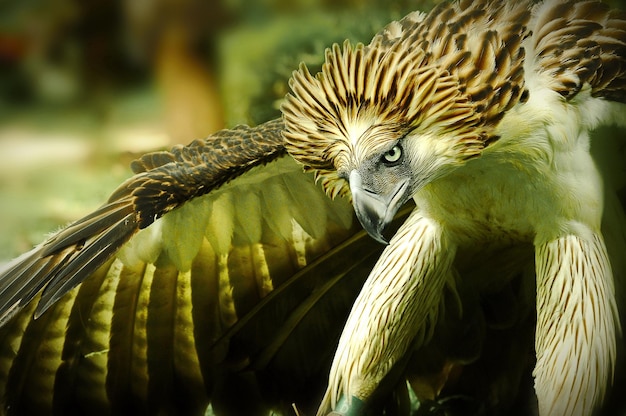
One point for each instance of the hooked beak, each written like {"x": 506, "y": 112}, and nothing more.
{"x": 373, "y": 210}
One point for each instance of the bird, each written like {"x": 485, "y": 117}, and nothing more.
{"x": 211, "y": 302}
{"x": 480, "y": 112}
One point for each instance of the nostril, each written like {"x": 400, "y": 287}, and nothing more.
{"x": 371, "y": 193}
{"x": 356, "y": 182}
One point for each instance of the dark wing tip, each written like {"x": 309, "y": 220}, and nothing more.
{"x": 65, "y": 259}
{"x": 85, "y": 261}
{"x": 163, "y": 182}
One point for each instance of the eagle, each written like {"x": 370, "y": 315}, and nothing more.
{"x": 479, "y": 117}
{"x": 480, "y": 112}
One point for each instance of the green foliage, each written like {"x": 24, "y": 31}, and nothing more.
{"x": 256, "y": 60}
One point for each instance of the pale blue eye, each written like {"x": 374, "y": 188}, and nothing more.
{"x": 392, "y": 156}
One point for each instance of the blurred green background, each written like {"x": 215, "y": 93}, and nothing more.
{"x": 87, "y": 86}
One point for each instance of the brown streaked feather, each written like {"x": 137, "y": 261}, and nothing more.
{"x": 160, "y": 330}
{"x": 484, "y": 56}
{"x": 454, "y": 70}
{"x": 388, "y": 36}
{"x": 164, "y": 181}
{"x": 358, "y": 246}
{"x": 36, "y": 361}
{"x": 580, "y": 43}
{"x": 89, "y": 370}
{"x": 157, "y": 322}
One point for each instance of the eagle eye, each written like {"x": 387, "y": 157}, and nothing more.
{"x": 392, "y": 157}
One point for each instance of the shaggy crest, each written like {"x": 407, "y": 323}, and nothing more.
{"x": 421, "y": 75}
{"x": 372, "y": 97}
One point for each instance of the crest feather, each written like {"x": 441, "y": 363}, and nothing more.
{"x": 456, "y": 70}
{"x": 395, "y": 91}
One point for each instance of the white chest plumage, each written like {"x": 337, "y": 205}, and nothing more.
{"x": 539, "y": 181}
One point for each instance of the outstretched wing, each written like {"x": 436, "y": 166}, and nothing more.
{"x": 145, "y": 331}
{"x": 163, "y": 181}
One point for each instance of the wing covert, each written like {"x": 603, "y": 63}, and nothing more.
{"x": 578, "y": 43}
{"x": 163, "y": 182}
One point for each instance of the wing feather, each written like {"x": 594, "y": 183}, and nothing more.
{"x": 81, "y": 264}
{"x": 579, "y": 43}
{"x": 151, "y": 360}
{"x": 164, "y": 181}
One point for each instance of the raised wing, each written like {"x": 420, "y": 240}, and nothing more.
{"x": 141, "y": 333}
{"x": 239, "y": 293}
{"x": 163, "y": 181}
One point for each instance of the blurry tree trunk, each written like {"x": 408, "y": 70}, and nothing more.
{"x": 191, "y": 100}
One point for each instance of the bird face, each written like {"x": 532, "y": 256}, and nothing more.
{"x": 384, "y": 181}
{"x": 386, "y": 121}
{"x": 379, "y": 187}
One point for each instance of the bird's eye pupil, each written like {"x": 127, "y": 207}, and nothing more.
{"x": 392, "y": 156}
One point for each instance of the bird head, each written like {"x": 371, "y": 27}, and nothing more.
{"x": 384, "y": 119}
